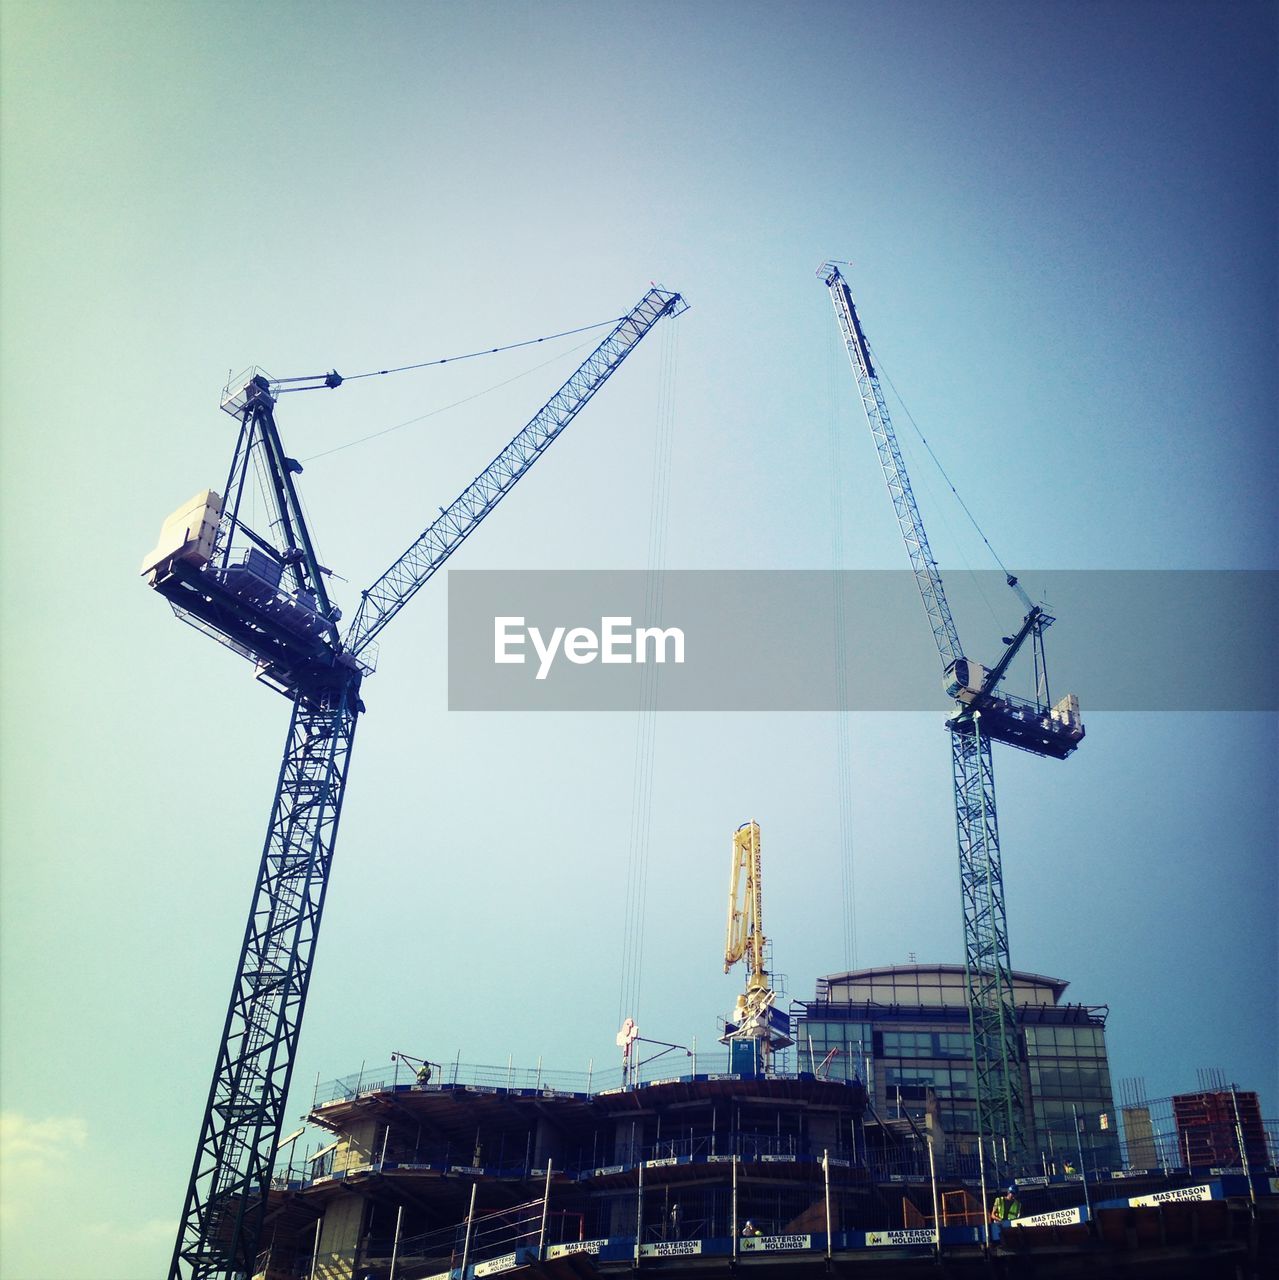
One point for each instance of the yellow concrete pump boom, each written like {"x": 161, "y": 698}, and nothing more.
{"x": 745, "y": 936}
{"x": 756, "y": 1020}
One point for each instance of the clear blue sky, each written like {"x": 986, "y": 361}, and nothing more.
{"x": 1063, "y": 224}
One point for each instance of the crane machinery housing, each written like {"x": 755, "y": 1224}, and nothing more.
{"x": 260, "y": 589}
{"x": 757, "y": 1027}
{"x": 983, "y": 714}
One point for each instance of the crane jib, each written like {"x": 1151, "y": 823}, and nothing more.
{"x": 454, "y": 524}
{"x": 862, "y": 349}
{"x": 911, "y": 524}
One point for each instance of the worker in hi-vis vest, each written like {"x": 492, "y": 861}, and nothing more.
{"x": 1006, "y": 1206}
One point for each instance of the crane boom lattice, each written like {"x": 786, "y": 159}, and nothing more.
{"x": 909, "y": 521}
{"x": 393, "y": 590}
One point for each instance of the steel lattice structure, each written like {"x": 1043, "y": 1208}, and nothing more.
{"x": 261, "y": 592}
{"x": 991, "y": 1008}
{"x": 393, "y": 590}
{"x": 226, "y": 1197}
{"x": 909, "y": 521}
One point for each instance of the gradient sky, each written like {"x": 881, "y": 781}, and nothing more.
{"x": 1062, "y": 220}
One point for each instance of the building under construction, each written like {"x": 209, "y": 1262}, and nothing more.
{"x": 841, "y": 1134}
{"x": 480, "y": 1171}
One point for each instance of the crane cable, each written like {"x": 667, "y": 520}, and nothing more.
{"x": 338, "y": 379}
{"x": 642, "y": 785}
{"x": 444, "y": 408}
{"x": 937, "y": 463}
{"x": 646, "y": 723}
{"x": 843, "y": 746}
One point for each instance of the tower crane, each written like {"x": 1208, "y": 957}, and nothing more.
{"x": 262, "y": 592}
{"x": 983, "y": 713}
{"x": 757, "y": 1022}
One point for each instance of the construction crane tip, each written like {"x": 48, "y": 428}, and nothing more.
{"x": 829, "y": 268}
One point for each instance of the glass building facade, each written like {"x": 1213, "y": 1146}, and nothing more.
{"x": 903, "y": 1030}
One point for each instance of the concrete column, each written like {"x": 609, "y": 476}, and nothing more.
{"x": 340, "y": 1239}
{"x": 344, "y": 1219}
{"x": 547, "y": 1144}
{"x": 357, "y": 1148}
{"x": 823, "y": 1132}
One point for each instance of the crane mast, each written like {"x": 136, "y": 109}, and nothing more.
{"x": 991, "y": 1008}
{"x": 261, "y": 592}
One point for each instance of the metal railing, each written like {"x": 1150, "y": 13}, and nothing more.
{"x": 909, "y": 1162}
{"x": 667, "y": 1066}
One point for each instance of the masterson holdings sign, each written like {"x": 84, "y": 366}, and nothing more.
{"x": 775, "y": 1244}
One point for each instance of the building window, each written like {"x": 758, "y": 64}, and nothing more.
{"x": 927, "y": 1044}
{"x": 946, "y": 1082}
{"x": 816, "y": 1038}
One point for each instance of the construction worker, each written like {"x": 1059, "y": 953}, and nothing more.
{"x": 750, "y": 1229}
{"x": 424, "y": 1073}
{"x": 1006, "y": 1207}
